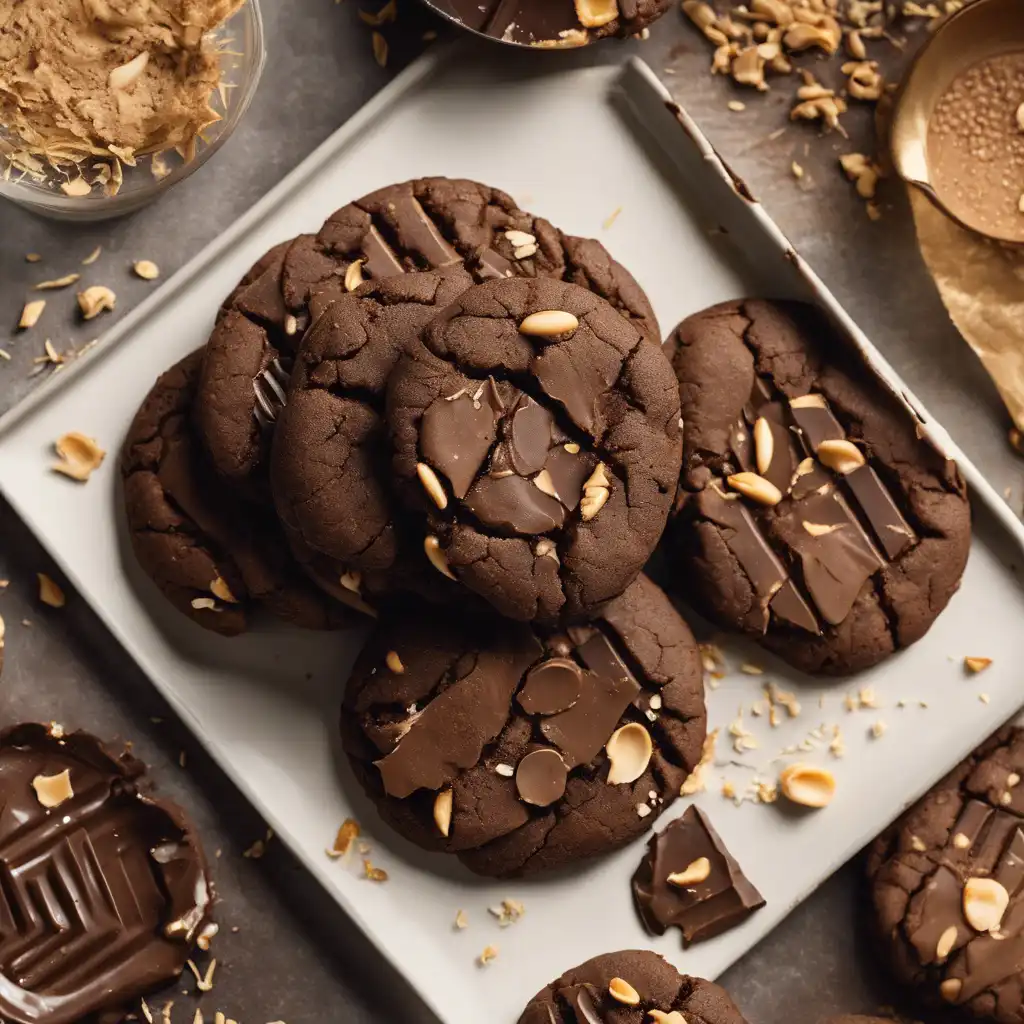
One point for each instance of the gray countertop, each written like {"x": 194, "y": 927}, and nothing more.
{"x": 292, "y": 958}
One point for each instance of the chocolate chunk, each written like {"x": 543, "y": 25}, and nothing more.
{"x": 701, "y": 909}
{"x": 541, "y": 777}
{"x": 553, "y": 686}
{"x": 456, "y": 436}
{"x": 529, "y": 436}
{"x": 448, "y": 734}
{"x": 513, "y": 504}
{"x": 568, "y": 473}
{"x": 575, "y": 385}
{"x": 605, "y": 692}
{"x": 103, "y": 892}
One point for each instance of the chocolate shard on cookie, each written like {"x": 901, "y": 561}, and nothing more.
{"x": 689, "y": 879}
{"x": 213, "y": 557}
{"x": 536, "y": 431}
{"x": 947, "y": 884}
{"x": 105, "y": 887}
{"x": 630, "y": 986}
{"x": 520, "y": 750}
{"x": 810, "y": 514}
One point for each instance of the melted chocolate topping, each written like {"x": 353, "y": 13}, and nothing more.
{"x": 100, "y": 895}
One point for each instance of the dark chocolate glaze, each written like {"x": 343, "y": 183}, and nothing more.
{"x": 100, "y": 896}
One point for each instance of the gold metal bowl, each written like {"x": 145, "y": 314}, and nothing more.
{"x": 982, "y": 29}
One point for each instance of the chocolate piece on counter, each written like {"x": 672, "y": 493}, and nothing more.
{"x": 514, "y": 722}
{"x": 541, "y": 777}
{"x": 948, "y": 885}
{"x": 591, "y": 409}
{"x": 552, "y": 686}
{"x": 104, "y": 888}
{"x": 549, "y": 22}
{"x": 843, "y": 554}
{"x": 700, "y": 909}
{"x": 582, "y": 996}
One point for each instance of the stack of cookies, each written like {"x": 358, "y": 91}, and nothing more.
{"x": 448, "y": 415}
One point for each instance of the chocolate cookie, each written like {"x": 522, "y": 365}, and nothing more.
{"x": 244, "y": 372}
{"x": 554, "y": 23}
{"x": 810, "y": 513}
{"x": 105, "y": 888}
{"x": 520, "y": 751}
{"x": 213, "y": 558}
{"x": 331, "y": 461}
{"x": 539, "y": 431}
{"x": 432, "y": 223}
{"x": 630, "y": 987}
{"x": 947, "y": 884}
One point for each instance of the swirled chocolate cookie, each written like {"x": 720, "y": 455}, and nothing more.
{"x": 555, "y": 23}
{"x": 630, "y": 987}
{"x": 947, "y": 884}
{"x": 810, "y": 513}
{"x": 213, "y": 558}
{"x": 104, "y": 888}
{"x": 539, "y": 432}
{"x": 519, "y": 751}
{"x": 331, "y": 463}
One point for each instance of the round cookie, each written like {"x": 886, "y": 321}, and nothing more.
{"x": 857, "y": 1018}
{"x": 546, "y": 463}
{"x": 244, "y": 372}
{"x": 583, "y": 995}
{"x": 947, "y": 886}
{"x": 331, "y": 460}
{"x": 810, "y": 513}
{"x": 213, "y": 558}
{"x": 432, "y": 223}
{"x": 484, "y": 738}
{"x": 105, "y": 887}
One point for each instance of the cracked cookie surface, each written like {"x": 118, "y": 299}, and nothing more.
{"x": 810, "y": 514}
{"x": 331, "y": 461}
{"x": 486, "y": 738}
{"x": 947, "y": 885}
{"x": 212, "y": 557}
{"x": 582, "y": 995}
{"x": 544, "y": 463}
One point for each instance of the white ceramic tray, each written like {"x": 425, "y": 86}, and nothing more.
{"x": 573, "y": 146}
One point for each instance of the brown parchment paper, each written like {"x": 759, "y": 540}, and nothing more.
{"x": 982, "y": 286}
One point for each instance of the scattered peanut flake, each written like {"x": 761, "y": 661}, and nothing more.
{"x": 258, "y": 848}
{"x": 749, "y": 669}
{"x": 507, "y": 912}
{"x": 642, "y": 810}
{"x": 866, "y": 697}
{"x": 31, "y": 313}
{"x": 489, "y": 955}
{"x": 93, "y": 256}
{"x": 146, "y": 269}
{"x": 158, "y": 166}
{"x": 878, "y": 730}
{"x": 505, "y": 770}
{"x": 737, "y": 106}
{"x": 758, "y": 708}
{"x": 461, "y": 921}
{"x": 95, "y": 300}
{"x": 207, "y": 935}
{"x": 976, "y": 665}
{"x": 917, "y": 844}
{"x": 348, "y": 832}
{"x": 32, "y": 257}
{"x": 837, "y": 746}
{"x": 796, "y": 170}
{"x": 984, "y": 698}
{"x": 696, "y": 781}
{"x": 728, "y": 790}
{"x": 388, "y": 13}
{"x": 773, "y": 716}
{"x": 380, "y": 49}
{"x": 58, "y": 282}
{"x": 5, "y": 355}
{"x": 766, "y": 792}
{"x": 372, "y": 873}
{"x": 850, "y": 702}
{"x": 146, "y": 1012}
{"x": 77, "y": 188}
{"x": 783, "y": 698}
{"x": 204, "y": 982}
{"x": 743, "y": 738}
{"x": 713, "y": 660}
{"x": 611, "y": 218}
{"x": 49, "y": 593}
{"x": 922, "y": 704}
